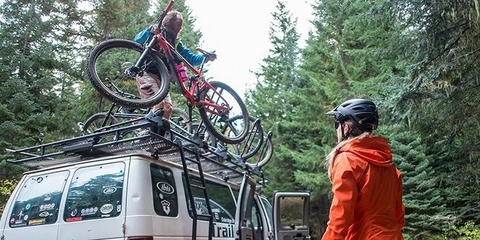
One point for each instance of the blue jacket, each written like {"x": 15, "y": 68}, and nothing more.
{"x": 194, "y": 59}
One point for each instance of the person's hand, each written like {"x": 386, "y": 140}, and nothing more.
{"x": 211, "y": 57}
{"x": 155, "y": 29}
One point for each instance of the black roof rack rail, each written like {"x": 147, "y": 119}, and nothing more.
{"x": 110, "y": 142}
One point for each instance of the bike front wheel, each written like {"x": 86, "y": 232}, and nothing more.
{"x": 219, "y": 103}
{"x": 114, "y": 65}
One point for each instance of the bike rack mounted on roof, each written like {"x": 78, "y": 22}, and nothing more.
{"x": 110, "y": 142}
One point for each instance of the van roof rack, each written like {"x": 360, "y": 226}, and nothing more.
{"x": 110, "y": 142}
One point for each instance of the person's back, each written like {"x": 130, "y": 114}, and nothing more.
{"x": 366, "y": 185}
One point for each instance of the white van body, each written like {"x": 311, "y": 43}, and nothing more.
{"x": 142, "y": 189}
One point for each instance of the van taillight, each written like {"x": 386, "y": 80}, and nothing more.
{"x": 141, "y": 238}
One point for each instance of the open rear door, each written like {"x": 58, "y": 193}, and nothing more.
{"x": 291, "y": 211}
{"x": 243, "y": 216}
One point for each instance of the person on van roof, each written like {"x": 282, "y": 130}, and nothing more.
{"x": 366, "y": 185}
{"x": 148, "y": 83}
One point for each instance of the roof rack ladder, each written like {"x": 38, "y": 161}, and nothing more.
{"x": 189, "y": 187}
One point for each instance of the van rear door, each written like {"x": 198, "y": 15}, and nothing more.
{"x": 33, "y": 210}
{"x": 291, "y": 211}
{"x": 243, "y": 216}
{"x": 94, "y": 203}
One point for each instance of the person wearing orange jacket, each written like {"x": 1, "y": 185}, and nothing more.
{"x": 366, "y": 185}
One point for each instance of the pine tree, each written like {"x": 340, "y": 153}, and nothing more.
{"x": 270, "y": 100}
{"x": 37, "y": 71}
{"x": 424, "y": 205}
{"x": 441, "y": 96}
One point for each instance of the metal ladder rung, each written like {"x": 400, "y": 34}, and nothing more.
{"x": 204, "y": 215}
{"x": 197, "y": 186}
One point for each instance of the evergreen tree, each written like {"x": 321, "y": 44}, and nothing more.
{"x": 271, "y": 99}
{"x": 424, "y": 205}
{"x": 37, "y": 71}
{"x": 441, "y": 95}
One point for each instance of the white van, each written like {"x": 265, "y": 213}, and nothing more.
{"x": 144, "y": 188}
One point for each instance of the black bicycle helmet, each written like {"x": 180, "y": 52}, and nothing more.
{"x": 362, "y": 111}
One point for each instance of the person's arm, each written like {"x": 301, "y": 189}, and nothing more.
{"x": 345, "y": 192}
{"x": 143, "y": 36}
{"x": 400, "y": 207}
{"x": 192, "y": 58}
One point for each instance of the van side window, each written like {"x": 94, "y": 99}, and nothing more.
{"x": 38, "y": 200}
{"x": 267, "y": 210}
{"x": 95, "y": 192}
{"x": 221, "y": 198}
{"x": 165, "y": 200}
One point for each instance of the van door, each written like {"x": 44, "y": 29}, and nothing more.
{"x": 94, "y": 203}
{"x": 33, "y": 211}
{"x": 291, "y": 211}
{"x": 243, "y": 216}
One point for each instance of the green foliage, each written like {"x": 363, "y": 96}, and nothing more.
{"x": 271, "y": 100}
{"x": 37, "y": 78}
{"x": 9, "y": 176}
{"x": 287, "y": 105}
{"x": 424, "y": 205}
{"x": 6, "y": 188}
{"x": 468, "y": 231}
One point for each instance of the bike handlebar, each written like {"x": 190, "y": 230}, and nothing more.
{"x": 208, "y": 55}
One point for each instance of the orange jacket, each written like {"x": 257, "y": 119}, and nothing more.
{"x": 367, "y": 193}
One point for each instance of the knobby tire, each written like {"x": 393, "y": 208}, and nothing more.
{"x": 216, "y": 124}
{"x": 108, "y": 63}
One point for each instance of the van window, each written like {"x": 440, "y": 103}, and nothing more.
{"x": 221, "y": 198}
{"x": 38, "y": 200}
{"x": 95, "y": 192}
{"x": 165, "y": 200}
{"x": 268, "y": 210}
{"x": 257, "y": 222}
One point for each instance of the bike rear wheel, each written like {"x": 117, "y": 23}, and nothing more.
{"x": 217, "y": 120}
{"x": 98, "y": 121}
{"x": 111, "y": 69}
{"x": 265, "y": 153}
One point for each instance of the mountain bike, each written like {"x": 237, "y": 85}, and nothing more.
{"x": 113, "y": 65}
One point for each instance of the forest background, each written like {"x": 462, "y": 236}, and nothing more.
{"x": 417, "y": 59}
